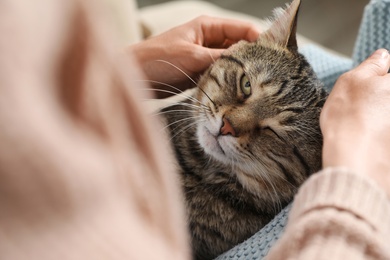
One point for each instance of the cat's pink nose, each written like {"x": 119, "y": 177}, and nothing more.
{"x": 227, "y": 128}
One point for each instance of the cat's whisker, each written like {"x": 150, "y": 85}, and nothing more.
{"x": 183, "y": 130}
{"x": 193, "y": 106}
{"x": 180, "y": 120}
{"x": 178, "y": 129}
{"x": 310, "y": 134}
{"x": 184, "y": 120}
{"x": 273, "y": 189}
{"x": 276, "y": 195}
{"x": 190, "y": 105}
{"x": 193, "y": 81}
{"x": 174, "y": 93}
{"x": 179, "y": 91}
{"x": 166, "y": 91}
{"x": 179, "y": 69}
{"x": 264, "y": 175}
{"x": 172, "y": 111}
{"x": 179, "y": 125}
{"x": 211, "y": 56}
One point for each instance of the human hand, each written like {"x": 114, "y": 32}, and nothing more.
{"x": 191, "y": 47}
{"x": 355, "y": 121}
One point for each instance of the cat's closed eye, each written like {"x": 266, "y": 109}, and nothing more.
{"x": 270, "y": 131}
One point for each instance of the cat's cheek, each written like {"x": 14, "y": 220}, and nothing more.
{"x": 208, "y": 142}
{"x": 228, "y": 147}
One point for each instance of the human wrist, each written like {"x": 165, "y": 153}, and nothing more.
{"x": 342, "y": 189}
{"x": 360, "y": 153}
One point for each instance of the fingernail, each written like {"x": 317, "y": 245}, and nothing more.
{"x": 381, "y": 53}
{"x": 385, "y": 54}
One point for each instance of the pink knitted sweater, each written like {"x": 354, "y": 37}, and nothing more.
{"x": 337, "y": 215}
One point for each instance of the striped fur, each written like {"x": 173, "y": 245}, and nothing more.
{"x": 236, "y": 180}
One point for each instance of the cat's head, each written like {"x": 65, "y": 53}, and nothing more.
{"x": 263, "y": 105}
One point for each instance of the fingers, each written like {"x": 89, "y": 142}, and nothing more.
{"x": 217, "y": 31}
{"x": 377, "y": 64}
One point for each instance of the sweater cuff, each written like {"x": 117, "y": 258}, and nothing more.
{"x": 344, "y": 190}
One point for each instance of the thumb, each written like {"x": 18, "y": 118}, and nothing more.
{"x": 377, "y": 64}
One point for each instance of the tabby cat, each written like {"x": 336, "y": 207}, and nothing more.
{"x": 248, "y": 137}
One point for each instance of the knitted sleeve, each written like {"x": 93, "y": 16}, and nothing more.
{"x": 337, "y": 215}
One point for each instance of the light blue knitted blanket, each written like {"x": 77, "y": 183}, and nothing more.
{"x": 374, "y": 33}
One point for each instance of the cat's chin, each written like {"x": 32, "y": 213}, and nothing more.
{"x": 215, "y": 145}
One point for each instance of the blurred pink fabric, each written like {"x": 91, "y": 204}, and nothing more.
{"x": 80, "y": 177}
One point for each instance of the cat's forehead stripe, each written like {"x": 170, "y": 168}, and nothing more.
{"x": 233, "y": 59}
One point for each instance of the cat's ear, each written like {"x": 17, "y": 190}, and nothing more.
{"x": 283, "y": 29}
